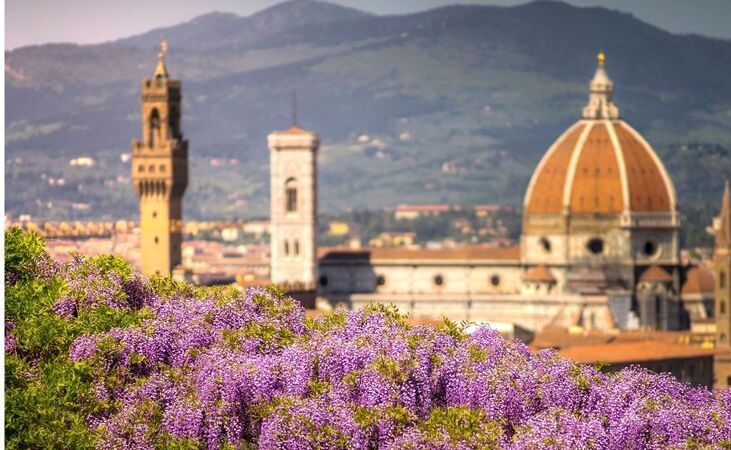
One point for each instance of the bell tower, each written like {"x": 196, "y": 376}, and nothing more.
{"x": 160, "y": 171}
{"x": 293, "y": 160}
{"x": 722, "y": 265}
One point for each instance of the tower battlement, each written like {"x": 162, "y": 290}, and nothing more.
{"x": 160, "y": 172}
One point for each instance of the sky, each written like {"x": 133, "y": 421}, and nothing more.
{"x": 31, "y": 22}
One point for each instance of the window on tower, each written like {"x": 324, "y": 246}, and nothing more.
{"x": 154, "y": 127}
{"x": 290, "y": 188}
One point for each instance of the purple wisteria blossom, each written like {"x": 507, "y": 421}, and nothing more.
{"x": 248, "y": 369}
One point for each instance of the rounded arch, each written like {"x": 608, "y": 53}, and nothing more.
{"x": 154, "y": 127}
{"x": 290, "y": 195}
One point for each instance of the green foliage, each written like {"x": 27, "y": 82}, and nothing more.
{"x": 22, "y": 251}
{"x": 167, "y": 286}
{"x": 462, "y": 423}
{"x": 391, "y": 312}
{"x": 47, "y": 396}
{"x": 325, "y": 322}
{"x": 454, "y": 329}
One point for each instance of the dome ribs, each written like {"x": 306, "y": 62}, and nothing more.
{"x": 597, "y": 188}
{"x": 646, "y": 184}
{"x": 546, "y": 196}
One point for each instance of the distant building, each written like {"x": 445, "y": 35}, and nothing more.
{"x": 338, "y": 228}
{"x": 488, "y": 210}
{"x": 687, "y": 363}
{"x": 600, "y": 245}
{"x": 293, "y": 163}
{"x": 82, "y": 161}
{"x": 160, "y": 172}
{"x": 411, "y": 212}
{"x": 393, "y": 239}
{"x": 722, "y": 264}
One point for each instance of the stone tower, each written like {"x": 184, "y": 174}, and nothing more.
{"x": 294, "y": 208}
{"x": 722, "y": 264}
{"x": 160, "y": 172}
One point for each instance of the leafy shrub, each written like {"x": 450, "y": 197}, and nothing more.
{"x": 103, "y": 357}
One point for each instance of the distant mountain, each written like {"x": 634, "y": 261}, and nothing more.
{"x": 216, "y": 30}
{"x": 455, "y": 104}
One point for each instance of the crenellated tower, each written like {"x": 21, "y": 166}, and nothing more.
{"x": 722, "y": 265}
{"x": 160, "y": 172}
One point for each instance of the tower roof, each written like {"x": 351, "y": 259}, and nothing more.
{"x": 723, "y": 234}
{"x": 600, "y": 165}
{"x": 539, "y": 274}
{"x": 698, "y": 280}
{"x": 656, "y": 273}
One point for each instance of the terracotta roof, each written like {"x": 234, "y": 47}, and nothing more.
{"x": 294, "y": 129}
{"x": 655, "y": 273}
{"x": 539, "y": 274}
{"x": 424, "y": 208}
{"x": 629, "y": 352}
{"x": 698, "y": 280}
{"x": 598, "y": 154}
{"x": 559, "y": 338}
{"x": 253, "y": 283}
{"x": 459, "y": 253}
{"x": 600, "y": 165}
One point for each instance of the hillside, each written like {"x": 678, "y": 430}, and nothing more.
{"x": 458, "y": 104}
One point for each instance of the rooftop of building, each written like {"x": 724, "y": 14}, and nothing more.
{"x": 472, "y": 252}
{"x": 633, "y": 351}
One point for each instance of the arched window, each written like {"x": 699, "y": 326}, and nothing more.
{"x": 154, "y": 127}
{"x": 296, "y": 247}
{"x": 286, "y": 248}
{"x": 290, "y": 188}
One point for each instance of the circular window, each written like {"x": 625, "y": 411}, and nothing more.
{"x": 495, "y": 280}
{"x": 545, "y": 244}
{"x": 595, "y": 246}
{"x": 438, "y": 280}
{"x": 650, "y": 248}
{"x": 323, "y": 280}
{"x": 380, "y": 280}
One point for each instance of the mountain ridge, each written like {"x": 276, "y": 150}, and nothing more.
{"x": 483, "y": 89}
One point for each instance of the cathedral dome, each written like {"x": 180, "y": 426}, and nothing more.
{"x": 600, "y": 165}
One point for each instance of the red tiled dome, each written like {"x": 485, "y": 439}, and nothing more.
{"x": 600, "y": 165}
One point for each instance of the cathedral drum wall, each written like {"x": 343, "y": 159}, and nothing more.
{"x": 655, "y": 246}
{"x": 599, "y": 246}
{"x": 544, "y": 248}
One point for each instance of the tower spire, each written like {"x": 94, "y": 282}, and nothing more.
{"x": 294, "y": 108}
{"x": 160, "y": 70}
{"x": 601, "y": 89}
